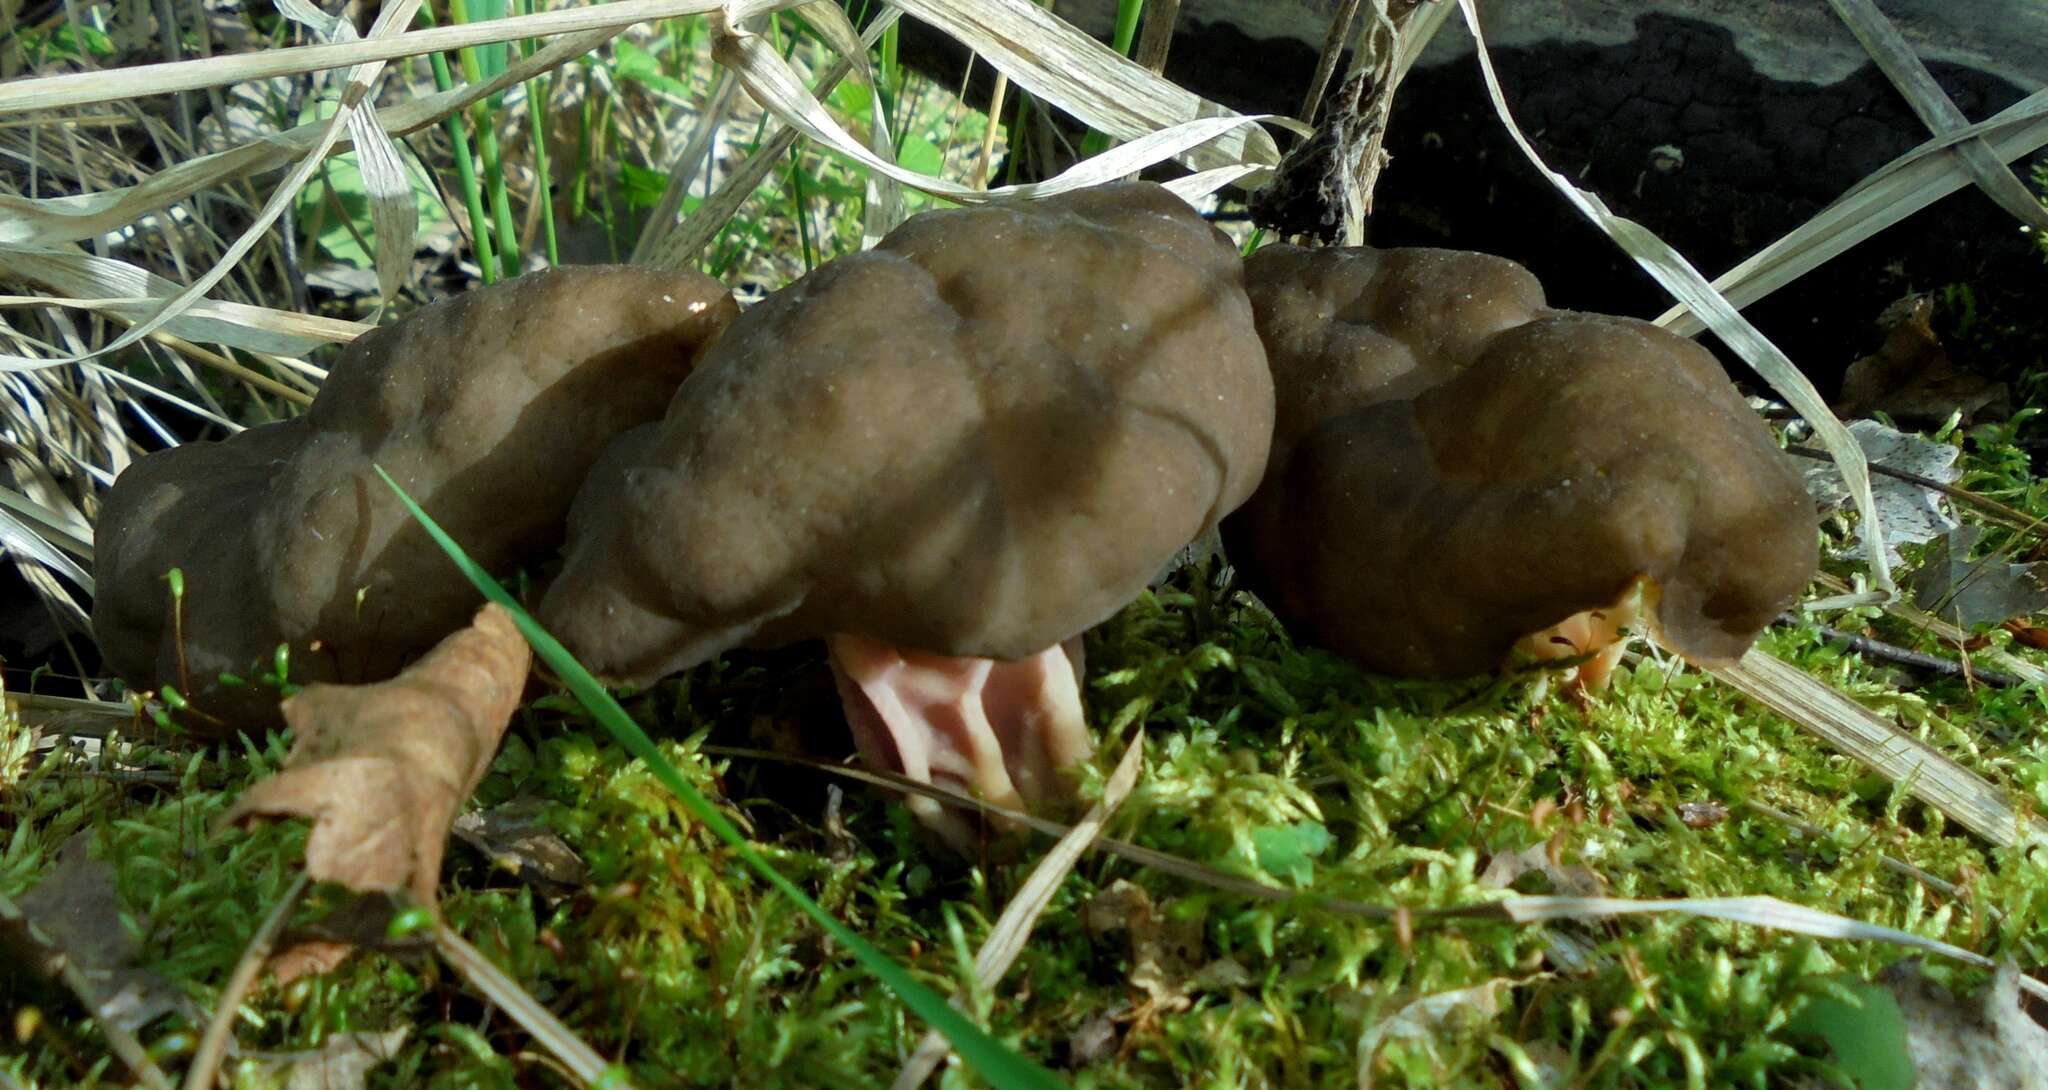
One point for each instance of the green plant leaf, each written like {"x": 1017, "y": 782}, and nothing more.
{"x": 1862, "y": 1024}
{"x": 1289, "y": 851}
{"x": 996, "y": 1063}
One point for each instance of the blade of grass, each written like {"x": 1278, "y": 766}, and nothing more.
{"x": 504, "y": 237}
{"x": 1127, "y": 13}
{"x": 997, "y": 1063}
{"x": 539, "y": 92}
{"x": 465, "y": 166}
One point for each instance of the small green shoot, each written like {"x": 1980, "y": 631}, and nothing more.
{"x": 1127, "y": 13}
{"x": 1002, "y": 1067}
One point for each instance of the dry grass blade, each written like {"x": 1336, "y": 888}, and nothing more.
{"x": 394, "y": 218}
{"x": 60, "y": 528}
{"x": 884, "y": 196}
{"x": 1090, "y": 81}
{"x": 1950, "y": 634}
{"x": 16, "y": 537}
{"x": 1882, "y": 41}
{"x": 561, "y": 1042}
{"x": 213, "y": 1044}
{"x": 1897, "y": 190}
{"x": 1766, "y": 912}
{"x": 1006, "y": 939}
{"x": 677, "y": 248}
{"x": 71, "y": 218}
{"x": 777, "y": 87}
{"x": 696, "y": 156}
{"x": 357, "y": 85}
{"x": 1927, "y": 773}
{"x": 88, "y": 88}
{"x": 131, "y": 292}
{"x": 1677, "y": 276}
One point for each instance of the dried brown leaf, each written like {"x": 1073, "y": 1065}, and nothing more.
{"x": 381, "y": 769}
{"x": 342, "y": 1062}
{"x": 73, "y": 916}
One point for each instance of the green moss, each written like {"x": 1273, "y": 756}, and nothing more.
{"x": 1264, "y": 759}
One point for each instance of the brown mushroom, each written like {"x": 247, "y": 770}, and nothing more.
{"x": 976, "y": 440}
{"x": 1457, "y": 467}
{"x": 488, "y": 407}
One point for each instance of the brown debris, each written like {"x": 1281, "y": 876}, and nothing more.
{"x": 381, "y": 769}
{"x": 1911, "y": 377}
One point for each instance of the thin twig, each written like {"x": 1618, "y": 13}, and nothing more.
{"x": 1333, "y": 47}
{"x": 213, "y": 1046}
{"x": 1899, "y": 867}
{"x": 1155, "y": 38}
{"x": 484, "y": 975}
{"x": 1878, "y": 649}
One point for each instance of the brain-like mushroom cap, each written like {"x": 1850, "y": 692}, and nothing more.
{"x": 488, "y": 407}
{"x": 1457, "y": 467}
{"x": 979, "y": 438}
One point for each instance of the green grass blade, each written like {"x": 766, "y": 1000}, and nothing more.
{"x": 1000, "y": 1066}
{"x": 478, "y": 65}
{"x": 538, "y": 93}
{"x": 1127, "y": 12}
{"x": 465, "y": 168}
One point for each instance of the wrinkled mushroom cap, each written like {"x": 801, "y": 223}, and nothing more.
{"x": 979, "y": 438}
{"x": 488, "y": 408}
{"x": 1422, "y": 527}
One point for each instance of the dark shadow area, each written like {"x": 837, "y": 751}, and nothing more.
{"x": 1755, "y": 158}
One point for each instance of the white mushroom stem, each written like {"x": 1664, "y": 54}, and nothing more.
{"x": 1005, "y": 732}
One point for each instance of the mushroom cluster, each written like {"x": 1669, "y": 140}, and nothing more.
{"x": 488, "y": 407}
{"x": 1457, "y": 468}
{"x": 950, "y": 455}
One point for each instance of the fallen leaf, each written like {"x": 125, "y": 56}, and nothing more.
{"x": 1165, "y": 953}
{"x": 381, "y": 769}
{"x": 1091, "y": 1040}
{"x": 1429, "y": 1019}
{"x": 516, "y": 838}
{"x": 74, "y": 915}
{"x": 1972, "y": 592}
{"x": 1909, "y": 512}
{"x": 1702, "y": 815}
{"x": 362, "y": 922}
{"x": 2033, "y": 636}
{"x": 1911, "y": 378}
{"x": 1568, "y": 881}
{"x": 343, "y": 1062}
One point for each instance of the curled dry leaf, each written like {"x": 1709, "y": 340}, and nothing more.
{"x": 1911, "y": 377}
{"x": 1988, "y": 590}
{"x": 381, "y": 769}
{"x": 343, "y": 1062}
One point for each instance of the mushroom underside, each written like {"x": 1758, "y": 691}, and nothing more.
{"x": 1005, "y": 732}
